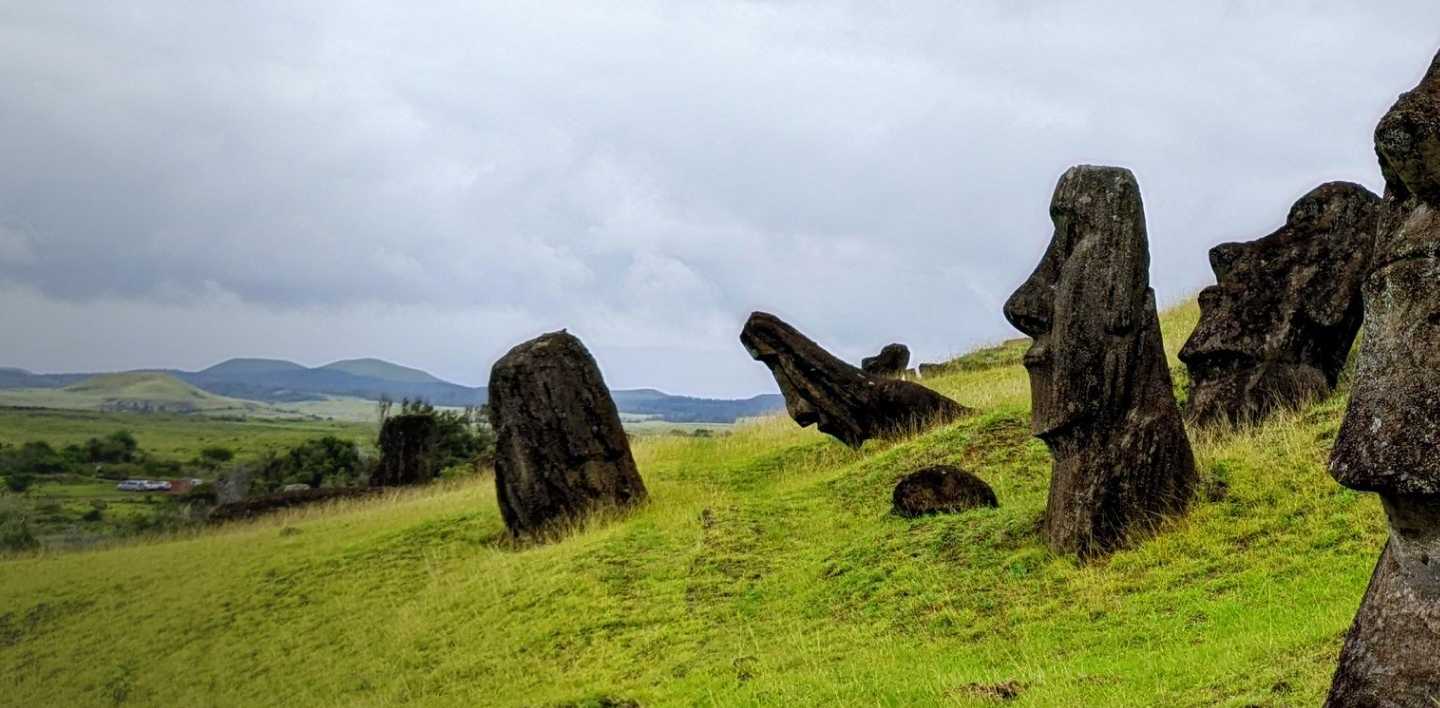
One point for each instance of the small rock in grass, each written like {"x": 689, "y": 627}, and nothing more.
{"x": 941, "y": 489}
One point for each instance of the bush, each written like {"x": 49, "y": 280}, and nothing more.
{"x": 18, "y": 482}
{"x": 216, "y": 456}
{"x": 119, "y": 446}
{"x": 15, "y": 531}
{"x": 34, "y": 458}
{"x": 323, "y": 462}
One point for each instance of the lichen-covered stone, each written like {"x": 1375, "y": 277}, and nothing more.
{"x": 837, "y": 398}
{"x": 560, "y": 451}
{"x": 892, "y": 360}
{"x": 1101, "y": 391}
{"x": 1276, "y": 328}
{"x": 940, "y": 489}
{"x": 1389, "y": 441}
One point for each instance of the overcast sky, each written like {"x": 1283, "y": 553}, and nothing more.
{"x": 182, "y": 182}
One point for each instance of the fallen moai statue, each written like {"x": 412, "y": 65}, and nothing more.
{"x": 940, "y": 489}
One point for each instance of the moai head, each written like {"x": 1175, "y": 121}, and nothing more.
{"x": 1084, "y": 301}
{"x": 1277, "y": 326}
{"x": 1391, "y": 432}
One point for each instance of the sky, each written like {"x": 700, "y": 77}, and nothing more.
{"x": 433, "y": 183}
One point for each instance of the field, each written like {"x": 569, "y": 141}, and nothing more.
{"x": 766, "y": 570}
{"x": 174, "y": 436}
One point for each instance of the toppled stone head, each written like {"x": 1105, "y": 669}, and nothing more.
{"x": 560, "y": 451}
{"x": 837, "y": 398}
{"x": 1389, "y": 441}
{"x": 1276, "y": 328}
{"x": 1101, "y": 393}
{"x": 892, "y": 360}
{"x": 940, "y": 489}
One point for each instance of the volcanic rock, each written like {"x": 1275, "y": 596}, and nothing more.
{"x": 892, "y": 360}
{"x": 1275, "y": 330}
{"x": 839, "y": 399}
{"x": 1390, "y": 437}
{"x": 560, "y": 451}
{"x": 938, "y": 489}
{"x": 1101, "y": 393}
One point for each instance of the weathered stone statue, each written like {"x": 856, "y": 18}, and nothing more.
{"x": 940, "y": 489}
{"x": 560, "y": 451}
{"x": 1100, "y": 389}
{"x": 892, "y": 360}
{"x": 1277, "y": 326}
{"x": 1389, "y": 442}
{"x": 838, "y": 398}
{"x": 407, "y": 451}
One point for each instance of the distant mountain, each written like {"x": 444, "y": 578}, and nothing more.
{"x": 382, "y": 370}
{"x": 280, "y": 381}
{"x": 148, "y": 392}
{"x": 250, "y": 367}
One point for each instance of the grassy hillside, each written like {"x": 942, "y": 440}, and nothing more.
{"x": 382, "y": 370}
{"x": 765, "y": 571}
{"x": 143, "y": 391}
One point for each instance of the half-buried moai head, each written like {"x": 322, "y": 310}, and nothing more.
{"x": 892, "y": 360}
{"x": 1277, "y": 326}
{"x": 1101, "y": 393}
{"x": 839, "y": 399}
{"x": 560, "y": 451}
{"x": 1389, "y": 442}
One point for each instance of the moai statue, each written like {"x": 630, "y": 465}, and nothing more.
{"x": 1277, "y": 326}
{"x": 560, "y": 451}
{"x": 1389, "y": 442}
{"x": 839, "y": 399}
{"x": 1101, "y": 394}
{"x": 892, "y": 360}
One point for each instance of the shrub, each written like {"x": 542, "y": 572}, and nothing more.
{"x": 216, "y": 456}
{"x": 35, "y": 458}
{"x": 322, "y": 462}
{"x": 119, "y": 446}
{"x": 18, "y": 482}
{"x": 15, "y": 531}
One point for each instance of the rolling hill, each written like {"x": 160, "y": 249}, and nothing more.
{"x": 277, "y": 382}
{"x": 137, "y": 391}
{"x": 766, "y": 569}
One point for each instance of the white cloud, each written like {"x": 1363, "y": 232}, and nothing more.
{"x": 644, "y": 173}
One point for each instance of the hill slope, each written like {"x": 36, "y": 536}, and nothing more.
{"x": 382, "y": 370}
{"x": 765, "y": 570}
{"x": 142, "y": 391}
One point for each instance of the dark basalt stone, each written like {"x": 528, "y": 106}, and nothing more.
{"x": 560, "y": 451}
{"x": 892, "y": 360}
{"x": 1101, "y": 392}
{"x": 407, "y": 451}
{"x": 941, "y": 489}
{"x": 1277, "y": 326}
{"x": 839, "y": 399}
{"x": 1389, "y": 441}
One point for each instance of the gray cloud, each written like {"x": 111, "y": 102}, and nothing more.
{"x": 437, "y": 183}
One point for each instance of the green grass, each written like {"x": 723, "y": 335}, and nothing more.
{"x": 765, "y": 571}
{"x": 174, "y": 436}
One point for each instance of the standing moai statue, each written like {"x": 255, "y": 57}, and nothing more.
{"x": 1101, "y": 394}
{"x": 837, "y": 398}
{"x": 1389, "y": 442}
{"x": 560, "y": 451}
{"x": 1277, "y": 326}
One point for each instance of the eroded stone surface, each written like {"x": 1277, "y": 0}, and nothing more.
{"x": 560, "y": 451}
{"x": 941, "y": 489}
{"x": 839, "y": 399}
{"x": 1101, "y": 392}
{"x": 1276, "y": 328}
{"x": 892, "y": 360}
{"x": 1389, "y": 442}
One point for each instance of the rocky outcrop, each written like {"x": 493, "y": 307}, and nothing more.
{"x": 940, "y": 489}
{"x": 560, "y": 451}
{"x": 892, "y": 360}
{"x": 1390, "y": 436}
{"x": 837, "y": 398}
{"x": 1101, "y": 392}
{"x": 407, "y": 451}
{"x": 1276, "y": 328}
